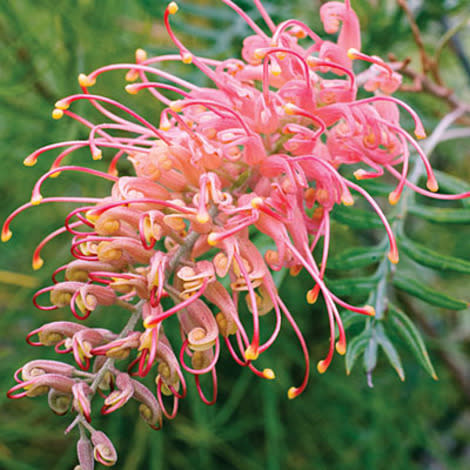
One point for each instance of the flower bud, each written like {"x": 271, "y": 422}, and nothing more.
{"x": 149, "y": 409}
{"x": 85, "y": 454}
{"x": 59, "y": 402}
{"x": 119, "y": 397}
{"x": 81, "y": 399}
{"x": 103, "y": 451}
{"x": 199, "y": 325}
{"x": 42, "y": 366}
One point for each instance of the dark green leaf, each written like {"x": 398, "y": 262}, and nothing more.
{"x": 370, "y": 354}
{"x": 353, "y": 286}
{"x": 376, "y": 188}
{"x": 441, "y": 216}
{"x": 356, "y": 258}
{"x": 431, "y": 258}
{"x": 453, "y": 185}
{"x": 351, "y": 318}
{"x": 355, "y": 347}
{"x": 408, "y": 331}
{"x": 427, "y": 293}
{"x": 356, "y": 218}
{"x": 389, "y": 350}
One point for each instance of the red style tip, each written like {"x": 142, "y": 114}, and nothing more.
{"x": 292, "y": 393}
{"x": 172, "y": 8}
{"x": 6, "y": 234}
{"x": 322, "y": 366}
{"x": 393, "y": 257}
{"x": 394, "y": 197}
{"x": 432, "y": 184}
{"x": 341, "y": 347}
{"x": 251, "y": 353}
{"x": 38, "y": 263}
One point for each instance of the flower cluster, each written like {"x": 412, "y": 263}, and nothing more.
{"x": 258, "y": 152}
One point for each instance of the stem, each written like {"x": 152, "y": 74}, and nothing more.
{"x": 185, "y": 249}
{"x": 108, "y": 364}
{"x": 425, "y": 62}
{"x": 423, "y": 83}
{"x": 130, "y": 325}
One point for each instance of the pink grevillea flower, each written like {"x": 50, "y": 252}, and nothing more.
{"x": 259, "y": 151}
{"x": 85, "y": 454}
{"x": 103, "y": 450}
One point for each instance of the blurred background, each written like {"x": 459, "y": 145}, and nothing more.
{"x": 339, "y": 422}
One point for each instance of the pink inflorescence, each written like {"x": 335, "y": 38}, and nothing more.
{"x": 261, "y": 149}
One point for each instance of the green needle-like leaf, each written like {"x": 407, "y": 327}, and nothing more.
{"x": 441, "y": 216}
{"x": 351, "y": 318}
{"x": 453, "y": 185}
{"x": 389, "y": 350}
{"x": 354, "y": 286}
{"x": 356, "y": 258}
{"x": 370, "y": 353}
{"x": 408, "y": 331}
{"x": 355, "y": 347}
{"x": 431, "y": 258}
{"x": 356, "y": 218}
{"x": 376, "y": 188}
{"x": 424, "y": 292}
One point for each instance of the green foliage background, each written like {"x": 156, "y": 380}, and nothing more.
{"x": 339, "y": 422}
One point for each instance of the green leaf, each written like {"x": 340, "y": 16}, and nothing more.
{"x": 389, "y": 350}
{"x": 355, "y": 347}
{"x": 376, "y": 188}
{"x": 441, "y": 216}
{"x": 354, "y": 286}
{"x": 408, "y": 331}
{"x": 356, "y": 218}
{"x": 426, "y": 293}
{"x": 349, "y": 319}
{"x": 453, "y": 185}
{"x": 370, "y": 353}
{"x": 356, "y": 258}
{"x": 352, "y": 318}
{"x": 431, "y": 258}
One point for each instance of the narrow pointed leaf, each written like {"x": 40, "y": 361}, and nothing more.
{"x": 356, "y": 258}
{"x": 355, "y": 347}
{"x": 355, "y": 286}
{"x": 351, "y": 318}
{"x": 427, "y": 293}
{"x": 370, "y": 354}
{"x": 441, "y": 216}
{"x": 356, "y": 218}
{"x": 390, "y": 351}
{"x": 453, "y": 185}
{"x": 376, "y": 188}
{"x": 431, "y": 258}
{"x": 408, "y": 331}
